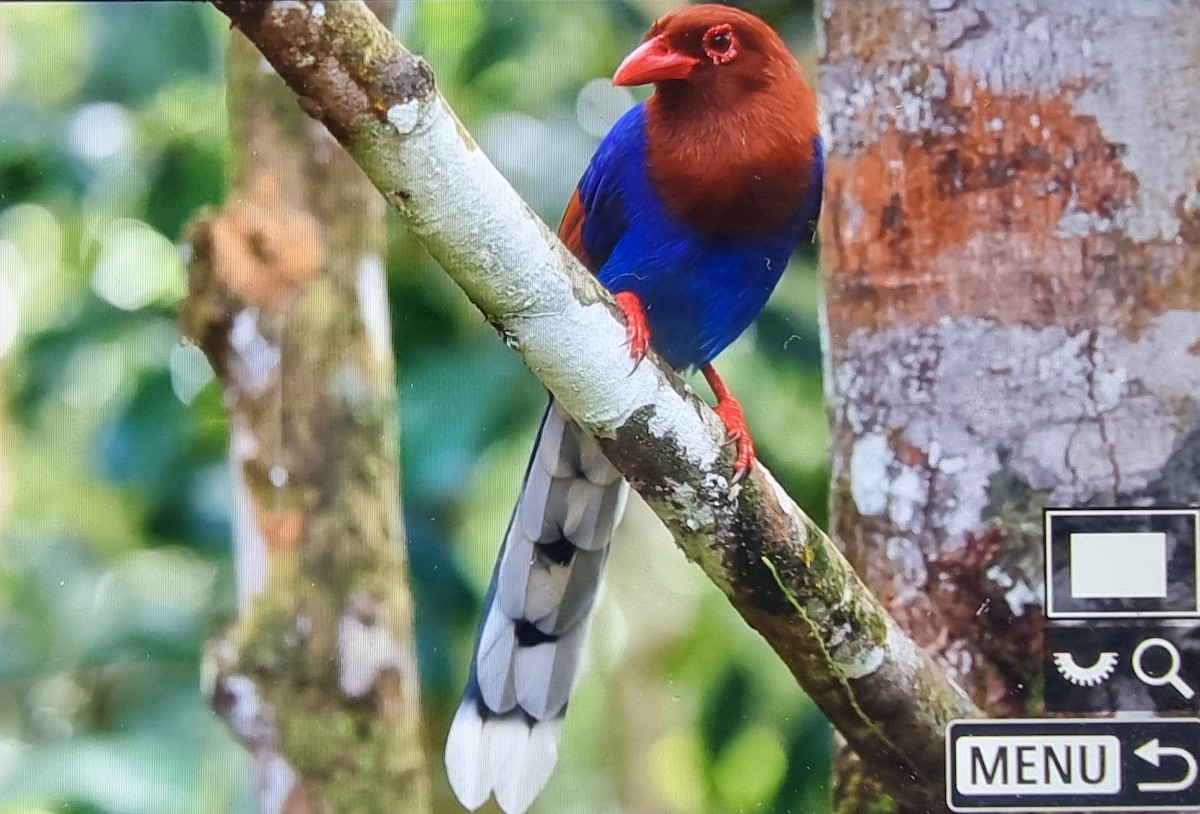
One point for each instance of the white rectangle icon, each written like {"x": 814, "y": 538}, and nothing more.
{"x": 1119, "y": 565}
{"x": 1037, "y": 764}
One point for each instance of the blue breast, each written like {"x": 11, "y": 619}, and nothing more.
{"x": 699, "y": 294}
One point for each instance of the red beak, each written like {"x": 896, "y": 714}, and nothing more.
{"x": 654, "y": 61}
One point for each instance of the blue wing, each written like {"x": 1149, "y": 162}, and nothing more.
{"x": 596, "y": 216}
{"x": 699, "y": 294}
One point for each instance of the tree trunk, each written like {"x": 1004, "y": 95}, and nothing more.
{"x": 288, "y": 298}
{"x": 1013, "y": 316}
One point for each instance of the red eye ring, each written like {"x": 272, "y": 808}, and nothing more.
{"x": 720, "y": 44}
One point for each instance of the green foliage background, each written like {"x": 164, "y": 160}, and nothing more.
{"x": 114, "y": 514}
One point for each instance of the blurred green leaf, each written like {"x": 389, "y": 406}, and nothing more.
{"x": 457, "y": 400}
{"x": 750, "y": 769}
{"x": 506, "y": 30}
{"x": 129, "y": 65}
{"x": 676, "y": 767}
{"x": 145, "y": 442}
{"x": 725, "y": 709}
{"x": 32, "y": 166}
{"x": 186, "y": 178}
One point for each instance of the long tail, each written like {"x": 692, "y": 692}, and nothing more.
{"x": 504, "y": 738}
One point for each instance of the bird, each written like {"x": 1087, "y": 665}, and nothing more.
{"x": 687, "y": 213}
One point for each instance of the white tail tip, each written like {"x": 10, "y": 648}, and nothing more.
{"x": 510, "y": 756}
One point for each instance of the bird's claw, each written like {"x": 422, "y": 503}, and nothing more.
{"x": 738, "y": 434}
{"x": 637, "y": 329}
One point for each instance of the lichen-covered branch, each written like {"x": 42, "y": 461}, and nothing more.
{"x": 288, "y": 298}
{"x": 777, "y": 568}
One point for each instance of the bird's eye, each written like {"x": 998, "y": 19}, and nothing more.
{"x": 720, "y": 43}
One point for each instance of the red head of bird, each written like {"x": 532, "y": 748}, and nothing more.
{"x": 732, "y": 123}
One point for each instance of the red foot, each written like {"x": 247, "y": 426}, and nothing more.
{"x": 730, "y": 412}
{"x": 637, "y": 329}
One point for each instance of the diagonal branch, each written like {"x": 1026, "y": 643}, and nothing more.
{"x": 781, "y": 572}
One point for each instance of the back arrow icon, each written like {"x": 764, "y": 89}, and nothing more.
{"x": 1152, "y": 753}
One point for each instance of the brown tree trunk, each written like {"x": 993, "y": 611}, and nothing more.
{"x": 1013, "y": 318}
{"x": 288, "y": 299}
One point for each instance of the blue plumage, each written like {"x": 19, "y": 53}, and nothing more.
{"x": 699, "y": 293}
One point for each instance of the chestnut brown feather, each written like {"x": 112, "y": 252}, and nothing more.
{"x": 730, "y": 148}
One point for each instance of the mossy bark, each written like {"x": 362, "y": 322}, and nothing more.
{"x": 288, "y": 300}
{"x": 1010, "y": 246}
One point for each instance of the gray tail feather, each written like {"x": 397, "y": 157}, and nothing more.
{"x": 504, "y": 738}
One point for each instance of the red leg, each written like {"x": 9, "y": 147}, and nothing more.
{"x": 731, "y": 415}
{"x": 637, "y": 329}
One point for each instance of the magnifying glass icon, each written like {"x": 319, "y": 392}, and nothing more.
{"x": 1171, "y": 676}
